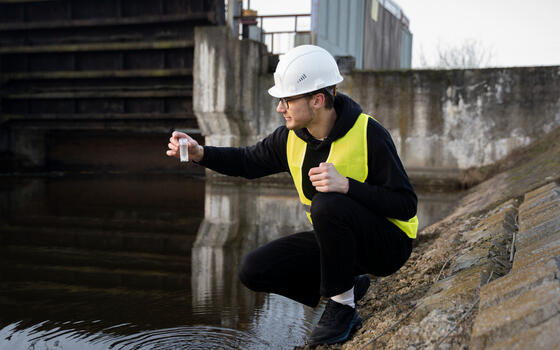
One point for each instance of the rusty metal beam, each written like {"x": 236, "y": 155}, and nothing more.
{"x": 147, "y": 126}
{"x": 22, "y": 1}
{"x": 97, "y": 74}
{"x": 115, "y": 21}
{"x": 96, "y": 116}
{"x": 99, "y": 94}
{"x": 107, "y": 46}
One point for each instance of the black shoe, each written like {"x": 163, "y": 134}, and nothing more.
{"x": 361, "y": 285}
{"x": 336, "y": 324}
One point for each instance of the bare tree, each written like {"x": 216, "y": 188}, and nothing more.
{"x": 470, "y": 53}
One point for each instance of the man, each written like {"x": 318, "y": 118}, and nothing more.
{"x": 350, "y": 180}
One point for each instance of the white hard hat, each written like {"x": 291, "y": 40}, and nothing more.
{"x": 304, "y": 69}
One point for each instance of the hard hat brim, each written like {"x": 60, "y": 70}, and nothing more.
{"x": 275, "y": 91}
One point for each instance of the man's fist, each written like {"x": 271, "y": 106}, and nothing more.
{"x": 326, "y": 178}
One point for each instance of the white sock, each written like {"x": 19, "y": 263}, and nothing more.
{"x": 346, "y": 298}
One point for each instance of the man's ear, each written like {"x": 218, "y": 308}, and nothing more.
{"x": 319, "y": 100}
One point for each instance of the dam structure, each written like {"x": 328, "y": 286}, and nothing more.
{"x": 96, "y": 85}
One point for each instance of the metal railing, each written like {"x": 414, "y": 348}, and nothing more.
{"x": 258, "y": 21}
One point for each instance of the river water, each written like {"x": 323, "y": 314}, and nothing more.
{"x": 132, "y": 262}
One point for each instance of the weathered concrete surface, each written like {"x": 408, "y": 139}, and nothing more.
{"x": 530, "y": 295}
{"x": 543, "y": 337}
{"x": 515, "y": 315}
{"x": 460, "y": 118}
{"x": 229, "y": 88}
{"x": 442, "y": 122}
{"x": 460, "y": 285}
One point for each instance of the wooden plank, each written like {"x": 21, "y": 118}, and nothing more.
{"x": 97, "y": 74}
{"x": 107, "y": 46}
{"x": 118, "y": 21}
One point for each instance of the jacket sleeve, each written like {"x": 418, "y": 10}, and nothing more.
{"x": 267, "y": 157}
{"x": 387, "y": 189}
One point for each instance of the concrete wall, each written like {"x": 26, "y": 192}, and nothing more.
{"x": 230, "y": 97}
{"x": 441, "y": 121}
{"x": 456, "y": 119}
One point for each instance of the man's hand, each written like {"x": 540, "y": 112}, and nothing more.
{"x": 196, "y": 151}
{"x": 326, "y": 178}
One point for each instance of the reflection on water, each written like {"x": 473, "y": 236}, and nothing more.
{"x": 144, "y": 263}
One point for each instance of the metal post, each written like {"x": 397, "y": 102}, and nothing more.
{"x": 262, "y": 30}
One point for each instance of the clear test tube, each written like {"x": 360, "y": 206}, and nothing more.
{"x": 183, "y": 149}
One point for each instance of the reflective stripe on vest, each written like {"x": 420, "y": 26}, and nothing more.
{"x": 349, "y": 155}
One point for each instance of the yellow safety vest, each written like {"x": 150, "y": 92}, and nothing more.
{"x": 349, "y": 154}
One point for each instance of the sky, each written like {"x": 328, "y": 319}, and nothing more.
{"x": 515, "y": 32}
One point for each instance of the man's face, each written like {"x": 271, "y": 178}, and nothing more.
{"x": 297, "y": 111}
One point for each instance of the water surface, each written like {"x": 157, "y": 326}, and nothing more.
{"x": 124, "y": 262}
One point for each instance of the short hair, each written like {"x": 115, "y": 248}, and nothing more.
{"x": 329, "y": 92}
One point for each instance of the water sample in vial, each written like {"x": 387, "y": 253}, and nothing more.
{"x": 183, "y": 150}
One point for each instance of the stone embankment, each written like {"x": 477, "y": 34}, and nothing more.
{"x": 485, "y": 277}
{"x": 522, "y": 309}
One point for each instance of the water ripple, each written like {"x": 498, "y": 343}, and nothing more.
{"x": 187, "y": 337}
{"x": 192, "y": 337}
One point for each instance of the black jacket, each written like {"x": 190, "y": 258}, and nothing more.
{"x": 386, "y": 191}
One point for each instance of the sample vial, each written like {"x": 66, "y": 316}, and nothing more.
{"x": 183, "y": 150}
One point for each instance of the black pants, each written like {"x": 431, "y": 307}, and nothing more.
{"x": 347, "y": 240}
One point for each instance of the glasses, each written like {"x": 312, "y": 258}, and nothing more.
{"x": 285, "y": 100}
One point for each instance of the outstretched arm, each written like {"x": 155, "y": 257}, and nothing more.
{"x": 266, "y": 157}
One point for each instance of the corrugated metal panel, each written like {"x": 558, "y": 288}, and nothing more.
{"x": 339, "y": 26}
{"x": 374, "y": 32}
{"x": 406, "y": 49}
{"x": 392, "y": 7}
{"x": 383, "y": 35}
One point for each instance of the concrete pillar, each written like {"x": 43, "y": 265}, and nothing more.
{"x": 230, "y": 98}
{"x": 234, "y": 9}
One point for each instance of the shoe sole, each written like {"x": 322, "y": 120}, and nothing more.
{"x": 353, "y": 327}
